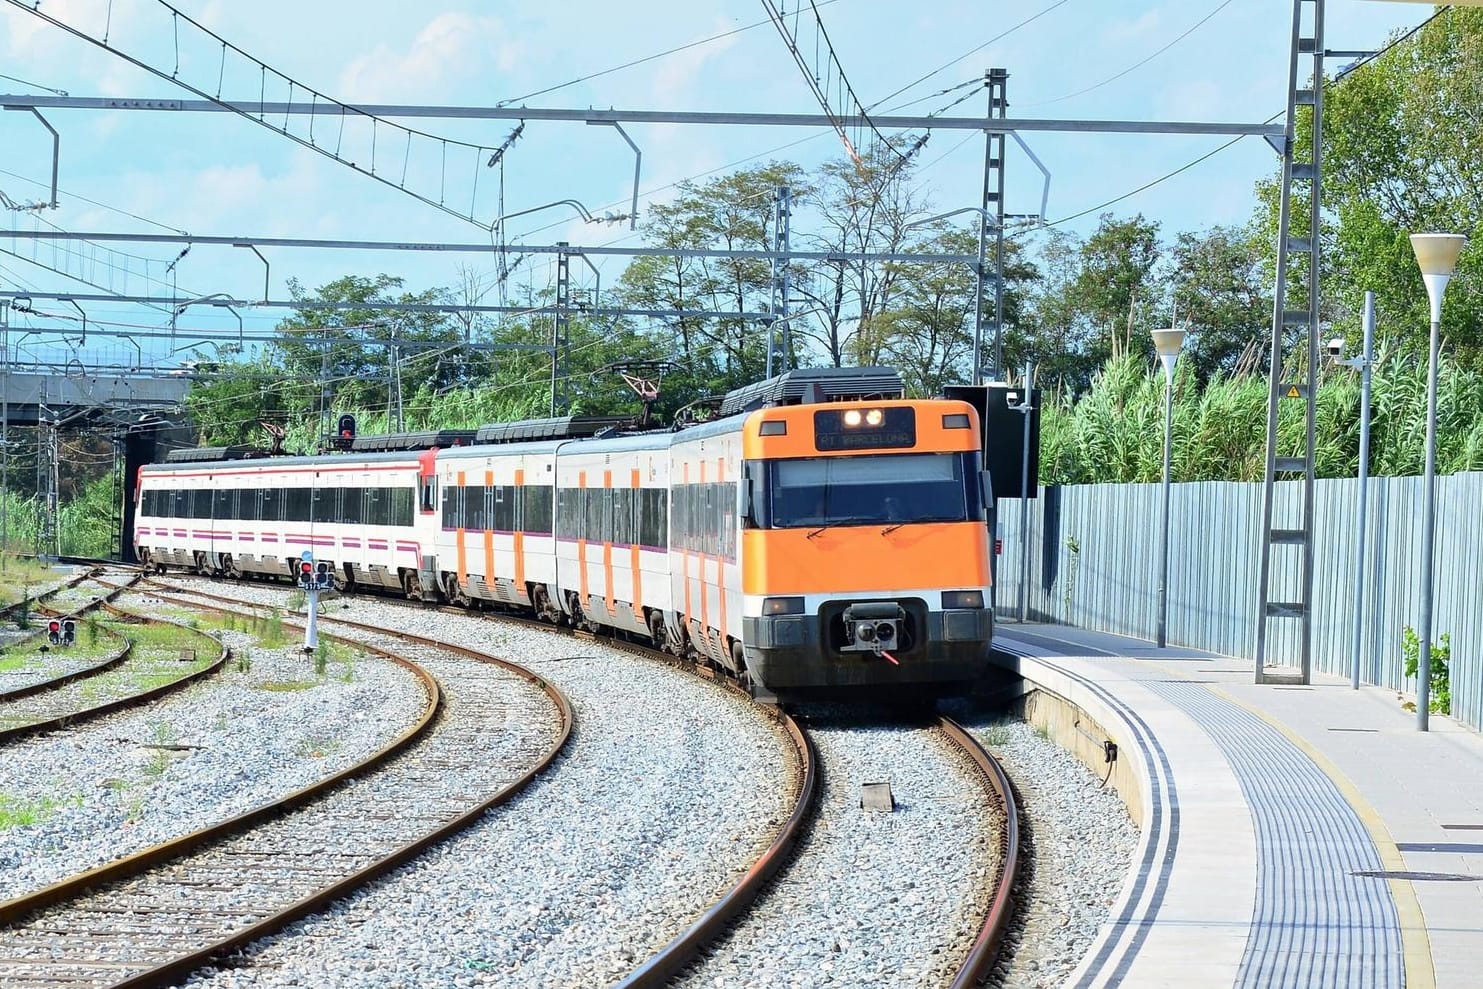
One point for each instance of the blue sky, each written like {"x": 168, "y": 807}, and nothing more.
{"x": 218, "y": 174}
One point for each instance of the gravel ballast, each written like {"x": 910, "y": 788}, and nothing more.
{"x": 669, "y": 789}
{"x": 129, "y": 780}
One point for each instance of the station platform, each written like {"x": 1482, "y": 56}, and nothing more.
{"x": 1292, "y": 836}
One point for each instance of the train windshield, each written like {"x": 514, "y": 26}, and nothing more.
{"x": 870, "y": 490}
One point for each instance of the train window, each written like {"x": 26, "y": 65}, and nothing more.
{"x": 297, "y": 504}
{"x": 653, "y": 518}
{"x": 535, "y": 509}
{"x": 872, "y": 489}
{"x": 568, "y": 512}
{"x": 202, "y": 504}
{"x": 622, "y": 532}
{"x": 401, "y": 506}
{"x": 224, "y": 503}
{"x": 501, "y": 501}
{"x": 272, "y": 504}
{"x": 592, "y": 503}
{"x": 352, "y": 506}
{"x": 322, "y": 505}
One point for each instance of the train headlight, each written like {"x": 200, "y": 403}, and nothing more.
{"x": 962, "y": 599}
{"x": 852, "y": 417}
{"x": 782, "y": 606}
{"x": 874, "y": 417}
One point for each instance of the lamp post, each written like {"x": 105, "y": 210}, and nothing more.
{"x": 1364, "y": 363}
{"x": 1167, "y": 343}
{"x": 1436, "y": 254}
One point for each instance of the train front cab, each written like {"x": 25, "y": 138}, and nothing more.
{"x": 865, "y": 562}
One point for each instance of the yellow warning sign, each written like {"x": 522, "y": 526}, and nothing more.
{"x": 1292, "y": 392}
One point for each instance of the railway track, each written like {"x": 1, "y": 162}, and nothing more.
{"x": 151, "y": 918}
{"x": 729, "y": 911}
{"x": 135, "y": 674}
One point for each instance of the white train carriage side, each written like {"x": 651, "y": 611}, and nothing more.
{"x": 612, "y": 532}
{"x": 360, "y": 513}
{"x": 704, "y": 552}
{"x": 495, "y": 540}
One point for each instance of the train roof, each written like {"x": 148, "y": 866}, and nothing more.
{"x": 338, "y": 461}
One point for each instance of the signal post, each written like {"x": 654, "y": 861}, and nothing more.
{"x": 314, "y": 578}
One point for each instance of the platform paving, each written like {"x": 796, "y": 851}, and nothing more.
{"x": 1294, "y": 836}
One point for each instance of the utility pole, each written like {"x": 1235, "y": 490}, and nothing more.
{"x": 996, "y": 80}
{"x": 783, "y": 210}
{"x": 560, "y": 318}
{"x": 4, "y": 428}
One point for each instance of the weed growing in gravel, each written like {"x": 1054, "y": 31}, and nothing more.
{"x": 271, "y": 633}
{"x": 23, "y": 613}
{"x": 287, "y": 686}
{"x": 17, "y": 813}
{"x": 318, "y": 748}
{"x": 996, "y": 735}
{"x": 297, "y": 599}
{"x": 90, "y": 629}
{"x": 322, "y": 657}
{"x": 244, "y": 661}
{"x": 11, "y": 663}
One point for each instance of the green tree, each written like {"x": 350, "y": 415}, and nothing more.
{"x": 1220, "y": 294}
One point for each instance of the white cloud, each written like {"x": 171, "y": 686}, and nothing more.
{"x": 674, "y": 80}
{"x": 450, "y": 47}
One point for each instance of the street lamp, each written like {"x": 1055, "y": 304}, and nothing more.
{"x": 1436, "y": 254}
{"x": 1167, "y": 343}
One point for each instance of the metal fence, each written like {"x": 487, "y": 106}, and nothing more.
{"x": 1094, "y": 563}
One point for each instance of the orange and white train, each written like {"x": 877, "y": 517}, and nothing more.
{"x": 831, "y": 547}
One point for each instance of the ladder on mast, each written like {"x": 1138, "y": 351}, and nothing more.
{"x": 1287, "y": 530}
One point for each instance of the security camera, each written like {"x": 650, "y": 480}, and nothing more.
{"x": 1336, "y": 348}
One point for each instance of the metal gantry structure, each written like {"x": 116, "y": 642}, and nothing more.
{"x": 1286, "y": 575}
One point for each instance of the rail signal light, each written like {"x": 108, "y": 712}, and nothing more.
{"x": 69, "y": 632}
{"x": 322, "y": 576}
{"x": 306, "y": 572}
{"x": 345, "y": 431}
{"x": 54, "y": 632}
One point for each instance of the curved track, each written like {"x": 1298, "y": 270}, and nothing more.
{"x": 684, "y": 949}
{"x": 163, "y": 922}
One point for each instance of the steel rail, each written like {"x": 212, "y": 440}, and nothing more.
{"x": 118, "y": 703}
{"x": 174, "y": 969}
{"x": 685, "y": 947}
{"x": 986, "y": 945}
{"x": 61, "y": 680}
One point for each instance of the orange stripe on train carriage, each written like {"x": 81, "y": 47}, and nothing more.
{"x": 489, "y": 581}
{"x": 519, "y": 539}
{"x": 463, "y": 563}
{"x": 607, "y": 548}
{"x": 685, "y": 556}
{"x": 705, "y": 590}
{"x": 798, "y": 441}
{"x": 633, "y": 549}
{"x": 581, "y": 542}
{"x": 861, "y": 558}
{"x": 721, "y": 558}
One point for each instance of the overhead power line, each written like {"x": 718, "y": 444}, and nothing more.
{"x": 454, "y": 166}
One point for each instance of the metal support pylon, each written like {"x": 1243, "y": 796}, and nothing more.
{"x": 997, "y": 82}
{"x": 779, "y": 337}
{"x": 560, "y": 320}
{"x": 1286, "y": 580}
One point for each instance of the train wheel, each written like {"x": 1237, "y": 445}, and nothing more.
{"x": 455, "y": 592}
{"x": 410, "y": 587}
{"x": 540, "y": 601}
{"x": 656, "y": 631}
{"x": 229, "y": 568}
